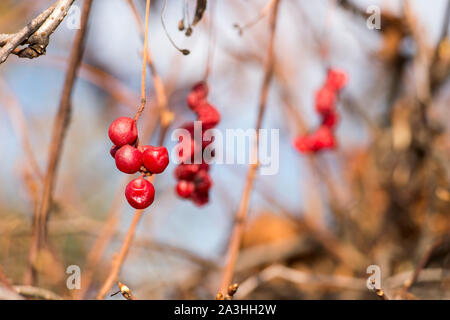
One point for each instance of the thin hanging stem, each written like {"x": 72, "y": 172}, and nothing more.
{"x": 183, "y": 51}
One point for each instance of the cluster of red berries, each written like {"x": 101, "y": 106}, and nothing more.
{"x": 194, "y": 181}
{"x": 326, "y": 99}
{"x": 131, "y": 157}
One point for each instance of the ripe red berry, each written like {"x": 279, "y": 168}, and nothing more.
{"x": 123, "y": 131}
{"x": 128, "y": 159}
{"x": 324, "y": 138}
{"x": 140, "y": 193}
{"x": 325, "y": 100}
{"x": 331, "y": 119}
{"x": 198, "y": 93}
{"x": 185, "y": 189}
{"x": 186, "y": 171}
{"x": 208, "y": 115}
{"x": 336, "y": 79}
{"x": 113, "y": 151}
{"x": 191, "y": 146}
{"x": 200, "y": 199}
{"x": 304, "y": 143}
{"x": 203, "y": 182}
{"x": 155, "y": 159}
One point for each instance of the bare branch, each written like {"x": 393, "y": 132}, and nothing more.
{"x": 36, "y": 33}
{"x": 59, "y": 130}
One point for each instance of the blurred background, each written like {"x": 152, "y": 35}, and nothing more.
{"x": 381, "y": 198}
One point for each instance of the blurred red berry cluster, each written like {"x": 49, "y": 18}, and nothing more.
{"x": 131, "y": 157}
{"x": 194, "y": 181}
{"x": 326, "y": 99}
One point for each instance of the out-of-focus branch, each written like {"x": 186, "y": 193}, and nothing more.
{"x": 300, "y": 278}
{"x": 20, "y": 127}
{"x": 120, "y": 258}
{"x": 36, "y": 33}
{"x": 422, "y": 264}
{"x": 36, "y": 293}
{"x": 58, "y": 133}
{"x": 241, "y": 214}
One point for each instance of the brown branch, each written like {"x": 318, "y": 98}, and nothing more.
{"x": 21, "y": 129}
{"x": 422, "y": 264}
{"x": 5, "y": 281}
{"x": 241, "y": 214}
{"x": 118, "y": 261}
{"x": 300, "y": 278}
{"x": 36, "y": 33}
{"x": 36, "y": 293}
{"x": 60, "y": 126}
{"x": 120, "y": 258}
{"x": 100, "y": 245}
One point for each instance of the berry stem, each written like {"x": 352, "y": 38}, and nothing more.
{"x": 144, "y": 65}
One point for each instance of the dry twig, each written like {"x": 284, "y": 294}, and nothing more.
{"x": 241, "y": 214}
{"x": 36, "y": 33}
{"x": 58, "y": 133}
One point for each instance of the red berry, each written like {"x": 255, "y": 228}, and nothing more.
{"x": 140, "y": 193}
{"x": 113, "y": 151}
{"x": 186, "y": 171}
{"x": 191, "y": 147}
{"x": 200, "y": 199}
{"x": 208, "y": 115}
{"x": 197, "y": 95}
{"x": 123, "y": 131}
{"x": 128, "y": 159}
{"x": 336, "y": 79}
{"x": 185, "y": 189}
{"x": 156, "y": 159}
{"x": 204, "y": 166}
{"x": 304, "y": 143}
{"x": 324, "y": 138}
{"x": 330, "y": 119}
{"x": 203, "y": 182}
{"x": 325, "y": 100}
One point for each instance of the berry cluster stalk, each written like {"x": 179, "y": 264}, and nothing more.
{"x": 118, "y": 261}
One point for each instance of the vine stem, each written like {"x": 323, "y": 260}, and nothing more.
{"x": 120, "y": 258}
{"x": 241, "y": 214}
{"x": 144, "y": 65}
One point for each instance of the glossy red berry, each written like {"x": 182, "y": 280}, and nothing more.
{"x": 155, "y": 159}
{"x": 128, "y": 159}
{"x": 123, "y": 131}
{"x": 113, "y": 151}
{"x": 140, "y": 193}
{"x": 185, "y": 189}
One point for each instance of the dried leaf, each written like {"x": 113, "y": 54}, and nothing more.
{"x": 199, "y": 11}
